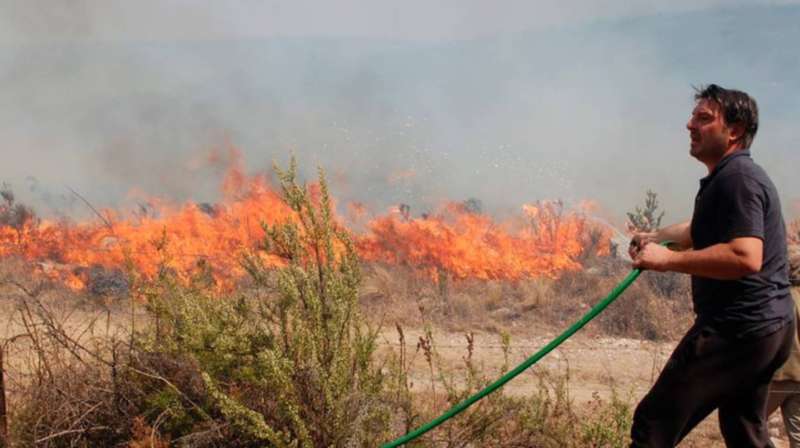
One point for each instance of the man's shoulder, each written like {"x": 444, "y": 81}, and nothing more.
{"x": 745, "y": 170}
{"x": 746, "y": 165}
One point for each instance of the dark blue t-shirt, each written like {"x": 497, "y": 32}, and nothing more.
{"x": 737, "y": 199}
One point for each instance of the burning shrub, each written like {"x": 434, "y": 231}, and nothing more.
{"x": 473, "y": 205}
{"x": 16, "y": 216}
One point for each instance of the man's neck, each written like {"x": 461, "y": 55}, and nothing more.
{"x": 713, "y": 164}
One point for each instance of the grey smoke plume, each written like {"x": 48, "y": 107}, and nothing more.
{"x": 508, "y": 104}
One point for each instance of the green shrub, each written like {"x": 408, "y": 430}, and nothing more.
{"x": 610, "y": 422}
{"x": 646, "y": 218}
{"x": 295, "y": 367}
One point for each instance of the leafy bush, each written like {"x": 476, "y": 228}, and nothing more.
{"x": 296, "y": 367}
{"x": 646, "y": 218}
{"x": 610, "y": 423}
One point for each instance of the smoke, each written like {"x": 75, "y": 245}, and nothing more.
{"x": 400, "y": 105}
{"x": 413, "y": 20}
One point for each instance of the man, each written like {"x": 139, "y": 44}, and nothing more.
{"x": 735, "y": 250}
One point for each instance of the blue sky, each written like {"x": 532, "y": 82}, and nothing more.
{"x": 508, "y": 103}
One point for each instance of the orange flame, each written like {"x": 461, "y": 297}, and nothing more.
{"x": 191, "y": 239}
{"x": 469, "y": 245}
{"x": 180, "y": 238}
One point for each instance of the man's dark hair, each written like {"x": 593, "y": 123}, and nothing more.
{"x": 737, "y": 108}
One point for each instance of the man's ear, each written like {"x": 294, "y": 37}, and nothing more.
{"x": 737, "y": 132}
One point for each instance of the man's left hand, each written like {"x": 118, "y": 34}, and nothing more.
{"x": 653, "y": 257}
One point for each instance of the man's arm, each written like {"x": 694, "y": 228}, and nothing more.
{"x": 725, "y": 261}
{"x": 679, "y": 234}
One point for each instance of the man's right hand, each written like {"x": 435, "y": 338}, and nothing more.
{"x": 640, "y": 240}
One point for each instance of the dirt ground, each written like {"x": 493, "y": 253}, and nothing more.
{"x": 596, "y": 365}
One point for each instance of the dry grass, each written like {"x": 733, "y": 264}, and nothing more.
{"x": 656, "y": 307}
{"x": 388, "y": 295}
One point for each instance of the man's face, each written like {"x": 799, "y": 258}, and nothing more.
{"x": 710, "y": 135}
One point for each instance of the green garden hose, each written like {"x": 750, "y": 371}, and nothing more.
{"x": 452, "y": 412}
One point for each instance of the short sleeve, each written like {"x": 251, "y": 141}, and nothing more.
{"x": 742, "y": 207}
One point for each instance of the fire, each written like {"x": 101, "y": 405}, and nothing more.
{"x": 202, "y": 239}
{"x": 185, "y": 239}
{"x": 470, "y": 245}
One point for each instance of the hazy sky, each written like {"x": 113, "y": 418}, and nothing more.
{"x": 26, "y": 21}
{"x": 415, "y": 102}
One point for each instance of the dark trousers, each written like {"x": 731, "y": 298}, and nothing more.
{"x": 708, "y": 371}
